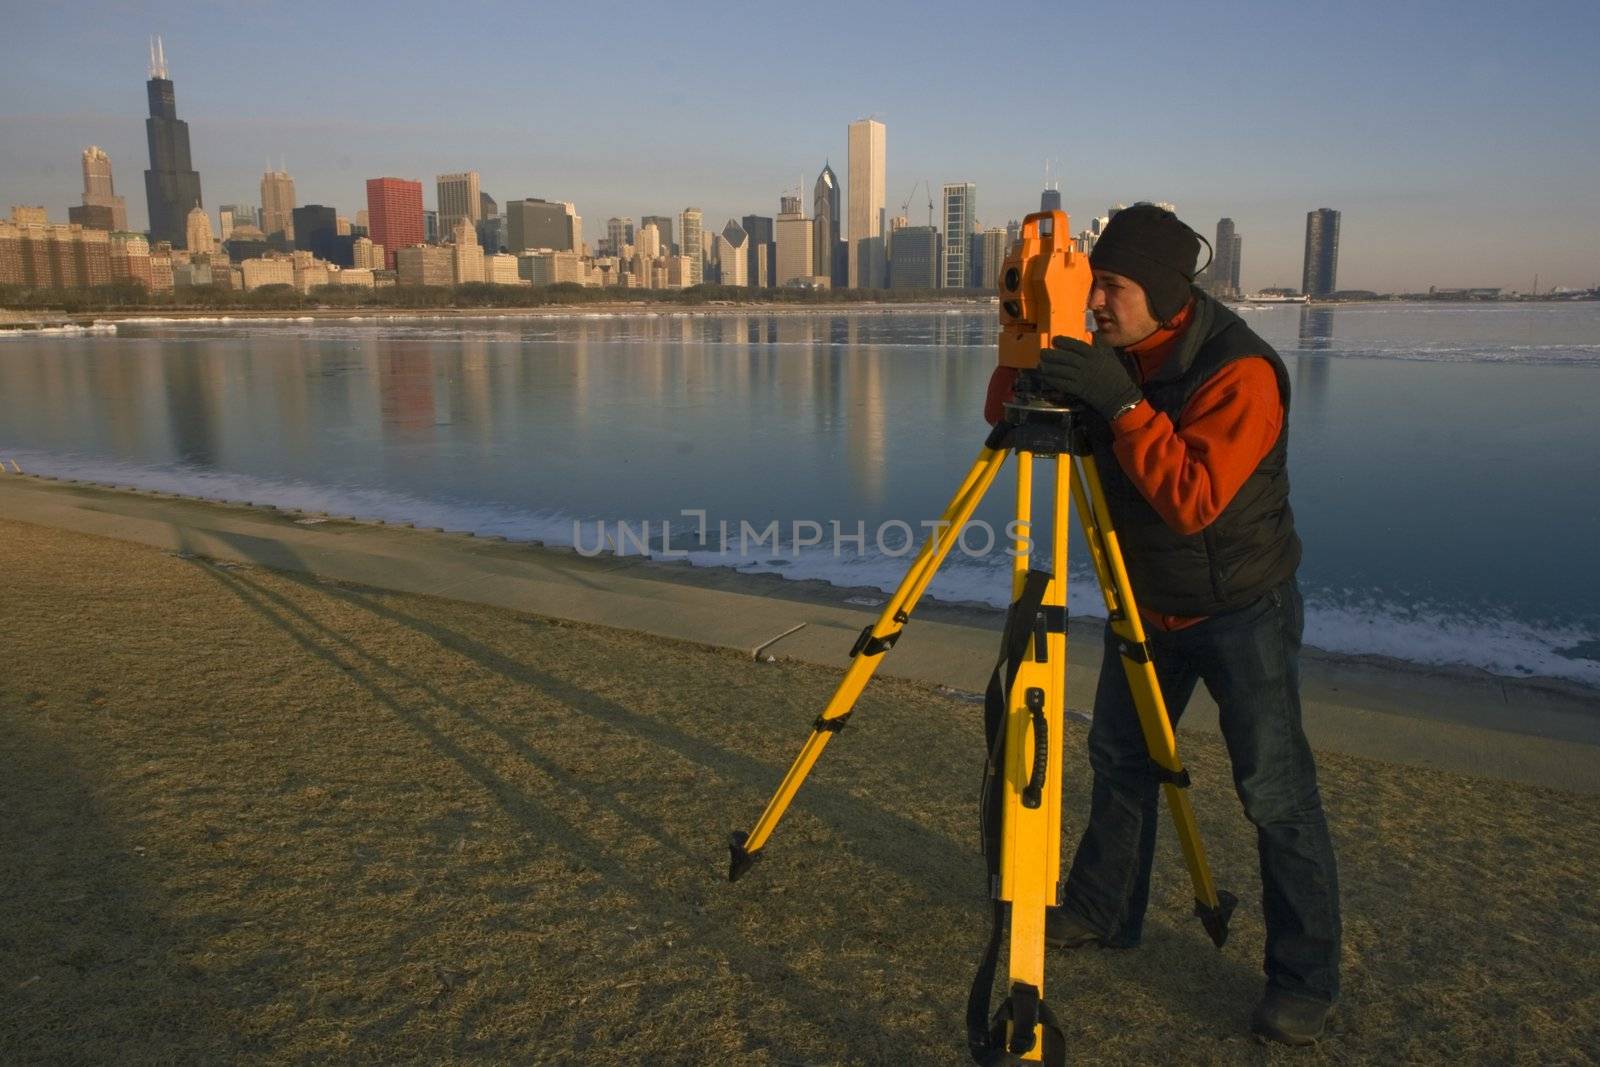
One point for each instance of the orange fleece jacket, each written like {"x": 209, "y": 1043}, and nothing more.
{"x": 1189, "y": 472}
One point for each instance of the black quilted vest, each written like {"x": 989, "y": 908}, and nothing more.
{"x": 1249, "y": 548}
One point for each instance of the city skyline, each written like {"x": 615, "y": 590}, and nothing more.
{"x": 1424, "y": 202}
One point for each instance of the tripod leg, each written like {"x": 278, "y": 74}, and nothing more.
{"x": 868, "y": 652}
{"x": 1212, "y": 906}
{"x": 1030, "y": 854}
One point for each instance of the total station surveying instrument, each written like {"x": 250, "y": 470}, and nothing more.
{"x": 1044, "y": 290}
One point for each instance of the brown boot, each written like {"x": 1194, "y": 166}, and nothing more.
{"x": 1062, "y": 929}
{"x": 1290, "y": 1017}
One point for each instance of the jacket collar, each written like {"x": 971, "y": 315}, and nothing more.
{"x": 1203, "y": 323}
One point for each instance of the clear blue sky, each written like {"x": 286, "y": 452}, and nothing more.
{"x": 1459, "y": 139}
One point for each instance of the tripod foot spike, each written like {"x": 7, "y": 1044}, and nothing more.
{"x": 1215, "y": 919}
{"x": 742, "y": 859}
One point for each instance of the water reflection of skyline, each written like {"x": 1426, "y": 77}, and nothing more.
{"x": 298, "y": 398}
{"x": 863, "y": 384}
{"x": 1311, "y": 367}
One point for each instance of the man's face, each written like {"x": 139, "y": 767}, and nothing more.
{"x": 1121, "y": 313}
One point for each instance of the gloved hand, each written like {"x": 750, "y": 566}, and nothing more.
{"x": 1090, "y": 373}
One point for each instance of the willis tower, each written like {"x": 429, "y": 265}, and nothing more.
{"x": 171, "y": 185}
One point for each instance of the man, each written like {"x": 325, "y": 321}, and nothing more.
{"x": 1195, "y": 473}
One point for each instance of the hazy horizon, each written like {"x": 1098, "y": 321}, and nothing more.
{"x": 1455, "y": 139}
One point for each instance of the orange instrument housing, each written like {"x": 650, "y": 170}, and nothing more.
{"x": 1044, "y": 290}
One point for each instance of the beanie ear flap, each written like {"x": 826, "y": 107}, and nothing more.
{"x": 1166, "y": 317}
{"x": 1163, "y": 321}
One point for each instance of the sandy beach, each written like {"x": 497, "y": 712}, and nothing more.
{"x": 286, "y": 787}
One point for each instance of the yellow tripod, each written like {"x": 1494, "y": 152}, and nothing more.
{"x": 1044, "y": 286}
{"x": 1025, "y": 758}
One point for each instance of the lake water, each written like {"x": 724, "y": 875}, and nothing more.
{"x": 1445, "y": 459}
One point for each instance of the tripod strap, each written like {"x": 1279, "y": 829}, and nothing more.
{"x": 979, "y": 1037}
{"x": 986, "y": 1037}
{"x": 1014, "y": 639}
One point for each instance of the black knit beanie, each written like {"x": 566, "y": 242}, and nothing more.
{"x": 1148, "y": 244}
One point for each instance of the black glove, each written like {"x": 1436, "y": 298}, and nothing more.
{"x": 1091, "y": 373}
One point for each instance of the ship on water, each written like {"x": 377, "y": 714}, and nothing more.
{"x": 1272, "y": 298}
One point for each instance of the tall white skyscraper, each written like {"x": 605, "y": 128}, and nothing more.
{"x": 960, "y": 223}
{"x": 869, "y": 159}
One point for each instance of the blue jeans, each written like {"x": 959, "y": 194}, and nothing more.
{"x": 1249, "y": 661}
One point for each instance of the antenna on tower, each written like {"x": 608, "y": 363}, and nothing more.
{"x": 158, "y": 58}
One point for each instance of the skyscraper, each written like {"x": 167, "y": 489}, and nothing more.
{"x": 1221, "y": 271}
{"x": 733, "y": 245}
{"x": 915, "y": 263}
{"x": 277, "y": 204}
{"x": 316, "y": 230}
{"x": 689, "y": 227}
{"x": 618, "y": 234}
{"x": 663, "y": 225}
{"x": 795, "y": 242}
{"x": 394, "y": 215}
{"x": 466, "y": 258}
{"x": 1320, "y": 274}
{"x": 960, "y": 223}
{"x": 869, "y": 160}
{"x": 761, "y": 261}
{"x": 235, "y": 216}
{"x": 1050, "y": 199}
{"x": 491, "y": 225}
{"x": 171, "y": 185}
{"x": 492, "y": 233}
{"x": 989, "y": 253}
{"x": 1235, "y": 254}
{"x": 98, "y": 188}
{"x": 458, "y": 199}
{"x": 197, "y": 236}
{"x": 534, "y": 223}
{"x": 648, "y": 243}
{"x": 826, "y": 197}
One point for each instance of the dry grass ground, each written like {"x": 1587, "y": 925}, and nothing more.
{"x": 248, "y": 817}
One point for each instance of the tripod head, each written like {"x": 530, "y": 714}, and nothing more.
{"x": 1044, "y": 294}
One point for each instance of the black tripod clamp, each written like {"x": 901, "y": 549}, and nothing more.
{"x": 1045, "y": 427}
